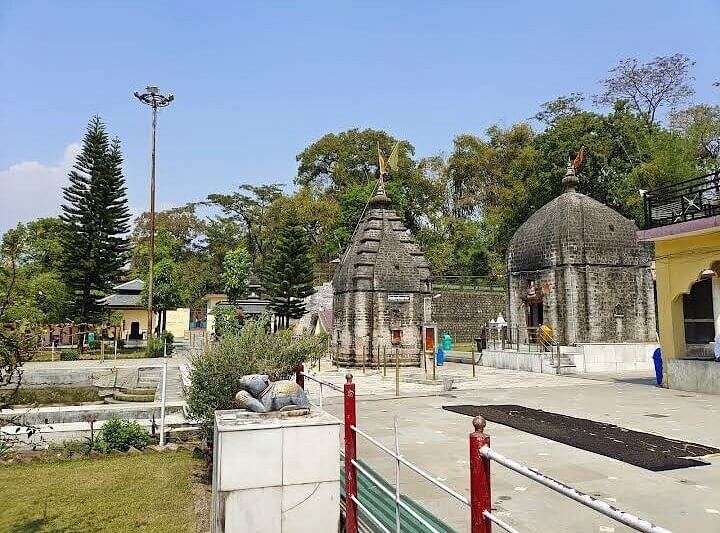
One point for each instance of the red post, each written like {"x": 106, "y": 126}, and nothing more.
{"x": 480, "y": 500}
{"x": 350, "y": 454}
{"x": 299, "y": 378}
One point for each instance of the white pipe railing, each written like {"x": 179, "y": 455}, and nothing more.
{"x": 414, "y": 468}
{"x": 593, "y": 503}
{"x": 495, "y": 520}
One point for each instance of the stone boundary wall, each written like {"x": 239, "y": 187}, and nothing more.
{"x": 693, "y": 376}
{"x": 462, "y": 313}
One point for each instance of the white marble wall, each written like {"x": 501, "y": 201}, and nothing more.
{"x": 614, "y": 357}
{"x": 276, "y": 474}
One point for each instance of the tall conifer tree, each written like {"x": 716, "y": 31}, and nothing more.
{"x": 96, "y": 220}
{"x": 288, "y": 274}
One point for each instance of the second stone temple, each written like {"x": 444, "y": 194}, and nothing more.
{"x": 381, "y": 291}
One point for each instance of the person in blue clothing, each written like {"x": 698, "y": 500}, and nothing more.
{"x": 657, "y": 360}
{"x": 717, "y": 346}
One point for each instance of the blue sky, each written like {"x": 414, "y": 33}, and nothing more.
{"x": 256, "y": 82}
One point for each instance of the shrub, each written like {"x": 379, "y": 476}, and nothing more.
{"x": 70, "y": 448}
{"x": 120, "y": 434}
{"x": 228, "y": 319}
{"x": 215, "y": 374}
{"x": 156, "y": 345}
{"x": 69, "y": 355}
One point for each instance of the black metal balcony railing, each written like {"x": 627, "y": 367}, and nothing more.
{"x": 686, "y": 200}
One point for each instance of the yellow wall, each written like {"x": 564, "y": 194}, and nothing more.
{"x": 178, "y": 321}
{"x": 133, "y": 315}
{"x": 678, "y": 263}
{"x": 212, "y": 299}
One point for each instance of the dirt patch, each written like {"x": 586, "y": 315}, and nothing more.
{"x": 202, "y": 496}
{"x": 645, "y": 450}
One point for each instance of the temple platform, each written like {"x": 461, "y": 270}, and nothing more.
{"x": 586, "y": 357}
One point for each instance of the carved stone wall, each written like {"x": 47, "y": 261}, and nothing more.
{"x": 382, "y": 285}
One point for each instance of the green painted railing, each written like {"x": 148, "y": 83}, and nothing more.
{"x": 382, "y": 506}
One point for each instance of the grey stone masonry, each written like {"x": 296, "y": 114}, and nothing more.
{"x": 581, "y": 262}
{"x": 381, "y": 287}
{"x": 462, "y": 313}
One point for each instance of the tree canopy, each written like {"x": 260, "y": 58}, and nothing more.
{"x": 462, "y": 207}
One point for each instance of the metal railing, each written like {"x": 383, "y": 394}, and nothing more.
{"x": 352, "y": 466}
{"x": 480, "y": 456}
{"x": 300, "y": 378}
{"x": 479, "y": 503}
{"x": 686, "y": 200}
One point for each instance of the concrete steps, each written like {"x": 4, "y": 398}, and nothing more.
{"x": 147, "y": 395}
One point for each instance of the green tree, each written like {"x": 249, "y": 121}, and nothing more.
{"x": 288, "y": 274}
{"x": 249, "y": 207}
{"x": 700, "y": 124}
{"x": 236, "y": 270}
{"x": 347, "y": 162}
{"x": 39, "y": 293}
{"x": 317, "y": 213}
{"x": 19, "y": 339}
{"x": 177, "y": 235}
{"x": 95, "y": 218}
{"x": 168, "y": 290}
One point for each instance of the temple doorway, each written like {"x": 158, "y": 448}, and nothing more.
{"x": 535, "y": 315}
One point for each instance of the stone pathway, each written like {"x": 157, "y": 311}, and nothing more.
{"x": 415, "y": 382}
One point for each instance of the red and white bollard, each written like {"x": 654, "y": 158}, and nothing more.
{"x": 351, "y": 525}
{"x": 480, "y": 500}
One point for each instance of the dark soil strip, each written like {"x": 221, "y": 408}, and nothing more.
{"x": 645, "y": 450}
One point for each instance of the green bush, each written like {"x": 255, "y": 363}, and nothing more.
{"x": 69, "y": 355}
{"x": 120, "y": 434}
{"x": 228, "y": 319}
{"x": 156, "y": 345}
{"x": 70, "y": 448}
{"x": 215, "y": 374}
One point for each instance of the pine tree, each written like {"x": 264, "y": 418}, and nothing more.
{"x": 96, "y": 218}
{"x": 288, "y": 274}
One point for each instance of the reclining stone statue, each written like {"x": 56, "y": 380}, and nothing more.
{"x": 260, "y": 395}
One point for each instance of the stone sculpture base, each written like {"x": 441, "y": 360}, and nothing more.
{"x": 276, "y": 472}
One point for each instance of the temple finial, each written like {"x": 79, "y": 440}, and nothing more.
{"x": 570, "y": 181}
{"x": 380, "y": 195}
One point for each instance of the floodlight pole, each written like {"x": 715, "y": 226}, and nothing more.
{"x": 154, "y": 99}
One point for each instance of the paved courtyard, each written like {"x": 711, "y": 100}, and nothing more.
{"x": 437, "y": 440}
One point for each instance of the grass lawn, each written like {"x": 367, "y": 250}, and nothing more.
{"x": 137, "y": 493}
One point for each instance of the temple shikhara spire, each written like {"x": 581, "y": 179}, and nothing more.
{"x": 382, "y": 288}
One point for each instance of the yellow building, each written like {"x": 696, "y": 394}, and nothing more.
{"x": 683, "y": 220}
{"x": 133, "y": 326}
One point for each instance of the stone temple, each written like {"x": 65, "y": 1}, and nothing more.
{"x": 577, "y": 266}
{"x": 381, "y": 291}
